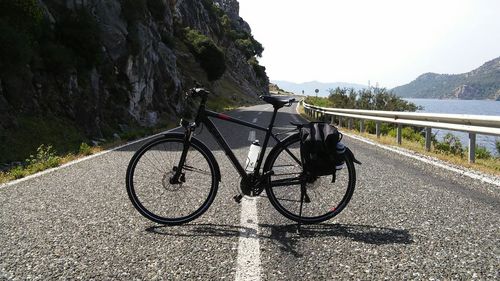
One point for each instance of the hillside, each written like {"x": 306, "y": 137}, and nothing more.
{"x": 309, "y": 87}
{"x": 478, "y": 84}
{"x": 76, "y": 71}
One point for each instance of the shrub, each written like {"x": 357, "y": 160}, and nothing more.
{"x": 250, "y": 47}
{"x": 17, "y": 173}
{"x": 482, "y": 152}
{"x": 85, "y": 149}
{"x": 45, "y": 155}
{"x": 408, "y": 133}
{"x": 451, "y": 144}
{"x": 23, "y": 15}
{"x": 210, "y": 57}
{"x": 260, "y": 71}
{"x": 497, "y": 143}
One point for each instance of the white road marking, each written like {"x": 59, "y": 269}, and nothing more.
{"x": 248, "y": 261}
{"x": 254, "y": 120}
{"x": 259, "y": 113}
{"x": 433, "y": 161}
{"x": 81, "y": 160}
{"x": 251, "y": 136}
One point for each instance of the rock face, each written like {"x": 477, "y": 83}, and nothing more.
{"x": 102, "y": 64}
{"x": 465, "y": 92}
{"x": 106, "y": 65}
{"x": 480, "y": 83}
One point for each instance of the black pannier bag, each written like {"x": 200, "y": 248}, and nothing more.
{"x": 318, "y": 149}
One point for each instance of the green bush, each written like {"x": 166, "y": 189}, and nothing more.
{"x": 260, "y": 71}
{"x": 23, "y": 15}
{"x": 482, "y": 152}
{"x": 85, "y": 149}
{"x": 45, "y": 157}
{"x": 370, "y": 127}
{"x": 497, "y": 143}
{"x": 210, "y": 57}
{"x": 408, "y": 133}
{"x": 451, "y": 144}
{"x": 250, "y": 47}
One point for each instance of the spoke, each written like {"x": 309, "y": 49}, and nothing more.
{"x": 286, "y": 174}
{"x": 193, "y": 169}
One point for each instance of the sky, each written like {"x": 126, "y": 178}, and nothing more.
{"x": 390, "y": 42}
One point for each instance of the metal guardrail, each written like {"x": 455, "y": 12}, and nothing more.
{"x": 472, "y": 124}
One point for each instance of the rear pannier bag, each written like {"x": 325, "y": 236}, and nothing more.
{"x": 318, "y": 148}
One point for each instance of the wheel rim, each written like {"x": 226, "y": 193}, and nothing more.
{"x": 156, "y": 197}
{"x": 327, "y": 199}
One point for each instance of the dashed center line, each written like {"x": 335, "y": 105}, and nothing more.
{"x": 254, "y": 120}
{"x": 248, "y": 262}
{"x": 251, "y": 136}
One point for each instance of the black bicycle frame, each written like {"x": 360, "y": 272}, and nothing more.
{"x": 202, "y": 117}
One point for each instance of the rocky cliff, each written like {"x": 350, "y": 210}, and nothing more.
{"x": 75, "y": 70}
{"x": 481, "y": 83}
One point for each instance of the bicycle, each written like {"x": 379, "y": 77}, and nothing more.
{"x": 174, "y": 178}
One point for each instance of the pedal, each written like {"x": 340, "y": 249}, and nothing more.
{"x": 238, "y": 198}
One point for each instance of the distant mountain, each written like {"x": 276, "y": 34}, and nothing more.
{"x": 309, "y": 87}
{"x": 481, "y": 83}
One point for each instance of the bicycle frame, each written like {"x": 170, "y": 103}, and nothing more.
{"x": 203, "y": 118}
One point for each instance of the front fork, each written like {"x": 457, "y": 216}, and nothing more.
{"x": 179, "y": 176}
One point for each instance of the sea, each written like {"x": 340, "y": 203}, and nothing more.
{"x": 477, "y": 107}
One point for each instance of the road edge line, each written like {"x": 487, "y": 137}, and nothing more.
{"x": 48, "y": 171}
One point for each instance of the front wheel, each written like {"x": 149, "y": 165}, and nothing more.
{"x": 159, "y": 198}
{"x": 324, "y": 199}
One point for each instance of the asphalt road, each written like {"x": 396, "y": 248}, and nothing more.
{"x": 406, "y": 220}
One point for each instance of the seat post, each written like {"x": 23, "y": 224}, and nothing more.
{"x": 266, "y": 139}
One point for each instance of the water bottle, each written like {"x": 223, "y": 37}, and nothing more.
{"x": 340, "y": 151}
{"x": 253, "y": 154}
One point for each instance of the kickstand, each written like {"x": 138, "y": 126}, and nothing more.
{"x": 302, "y": 196}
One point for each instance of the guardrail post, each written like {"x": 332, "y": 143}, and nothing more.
{"x": 472, "y": 147}
{"x": 340, "y": 121}
{"x": 377, "y": 129}
{"x": 332, "y": 119}
{"x": 361, "y": 126}
{"x": 399, "y": 133}
{"x": 428, "y": 141}
{"x": 349, "y": 123}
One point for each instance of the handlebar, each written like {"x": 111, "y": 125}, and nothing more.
{"x": 197, "y": 92}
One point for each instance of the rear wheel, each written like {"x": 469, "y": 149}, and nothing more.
{"x": 162, "y": 200}
{"x": 324, "y": 199}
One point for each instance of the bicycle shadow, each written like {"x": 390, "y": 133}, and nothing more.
{"x": 287, "y": 237}
{"x": 209, "y": 230}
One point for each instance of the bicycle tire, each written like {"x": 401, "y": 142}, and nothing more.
{"x": 327, "y": 199}
{"x": 174, "y": 207}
